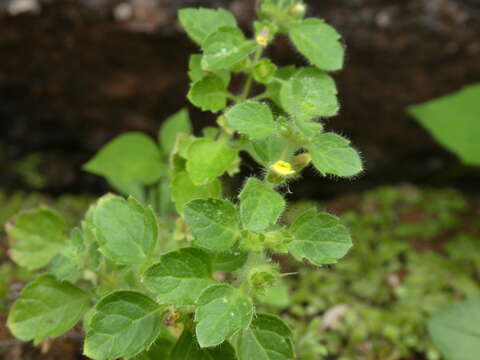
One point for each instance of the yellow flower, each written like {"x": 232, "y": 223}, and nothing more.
{"x": 262, "y": 40}
{"x": 282, "y": 168}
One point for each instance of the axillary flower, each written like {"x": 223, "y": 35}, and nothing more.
{"x": 282, "y": 168}
{"x": 262, "y": 38}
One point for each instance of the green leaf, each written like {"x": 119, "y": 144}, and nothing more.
{"x": 273, "y": 89}
{"x": 124, "y": 324}
{"x": 184, "y": 190}
{"x": 160, "y": 349}
{"x": 269, "y": 338}
{"x": 35, "y": 237}
{"x": 209, "y": 93}
{"x": 260, "y": 205}
{"x": 268, "y": 150}
{"x": 208, "y": 159}
{"x": 319, "y": 43}
{"x": 228, "y": 260}
{"x": 225, "y": 48}
{"x": 180, "y": 276}
{"x": 200, "y": 23}
{"x": 251, "y": 118}
{"x": 174, "y": 124}
{"x": 187, "y": 348}
{"x": 454, "y": 329}
{"x": 221, "y": 312}
{"x": 319, "y": 237}
{"x": 276, "y": 295}
{"x": 213, "y": 223}
{"x": 264, "y": 71}
{"x": 308, "y": 94}
{"x": 129, "y": 158}
{"x": 453, "y": 121}
{"x": 68, "y": 265}
{"x": 195, "y": 71}
{"x": 46, "y": 309}
{"x": 331, "y": 154}
{"x": 126, "y": 230}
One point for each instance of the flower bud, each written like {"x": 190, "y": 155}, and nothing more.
{"x": 262, "y": 277}
{"x": 262, "y": 38}
{"x": 301, "y": 161}
{"x": 298, "y": 10}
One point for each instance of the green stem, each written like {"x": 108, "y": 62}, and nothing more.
{"x": 249, "y": 81}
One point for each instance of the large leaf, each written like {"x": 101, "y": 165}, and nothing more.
{"x": 318, "y": 237}
{"x": 213, "y": 222}
{"x": 200, "y": 23}
{"x": 46, "y": 308}
{"x": 126, "y": 230}
{"x": 209, "y": 93}
{"x": 35, "y": 237}
{"x": 174, "y": 124}
{"x": 454, "y": 121}
{"x": 251, "y": 118}
{"x": 124, "y": 324}
{"x": 187, "y": 348}
{"x": 319, "y": 43}
{"x": 260, "y": 205}
{"x": 221, "y": 312}
{"x": 332, "y": 154}
{"x": 455, "y": 330}
{"x": 180, "y": 276}
{"x": 129, "y": 158}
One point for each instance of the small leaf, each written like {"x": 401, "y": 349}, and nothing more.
{"x": 260, "y": 205}
{"x": 35, "y": 237}
{"x": 124, "y": 324}
{"x": 269, "y": 338}
{"x": 309, "y": 93}
{"x": 46, "y": 309}
{"x": 267, "y": 150}
{"x": 454, "y": 329}
{"x": 208, "y": 159}
{"x": 264, "y": 71}
{"x": 251, "y": 118}
{"x": 209, "y": 93}
{"x": 331, "y": 154}
{"x": 180, "y": 276}
{"x": 196, "y": 73}
{"x": 225, "y": 48}
{"x": 200, "y": 23}
{"x": 221, "y": 312}
{"x": 184, "y": 190}
{"x": 213, "y": 223}
{"x": 126, "y": 230}
{"x": 68, "y": 265}
{"x": 273, "y": 89}
{"x": 129, "y": 158}
{"x": 187, "y": 348}
{"x": 319, "y": 238}
{"x": 174, "y": 124}
{"x": 319, "y": 43}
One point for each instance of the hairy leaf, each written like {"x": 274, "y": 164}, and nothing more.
{"x": 209, "y": 93}
{"x": 251, "y": 118}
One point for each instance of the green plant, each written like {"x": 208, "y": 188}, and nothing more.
{"x": 186, "y": 288}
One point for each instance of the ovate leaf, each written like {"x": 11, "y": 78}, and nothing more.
{"x": 260, "y": 205}
{"x": 174, "y": 124}
{"x": 126, "y": 230}
{"x": 187, "y": 348}
{"x": 318, "y": 237}
{"x": 209, "y": 93}
{"x": 46, "y": 308}
{"x": 35, "y": 237}
{"x": 180, "y": 276}
{"x": 213, "y": 223}
{"x": 221, "y": 312}
{"x": 129, "y": 158}
{"x": 251, "y": 118}
{"x": 319, "y": 43}
{"x": 123, "y": 324}
{"x": 332, "y": 154}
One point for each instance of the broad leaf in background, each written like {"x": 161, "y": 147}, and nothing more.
{"x": 213, "y": 222}
{"x": 319, "y": 43}
{"x": 318, "y": 237}
{"x": 455, "y": 330}
{"x": 221, "y": 312}
{"x": 268, "y": 338}
{"x": 200, "y": 23}
{"x": 126, "y": 230}
{"x": 180, "y": 276}
{"x": 187, "y": 348}
{"x": 332, "y": 154}
{"x": 251, "y": 118}
{"x": 123, "y": 324}
{"x": 45, "y": 309}
{"x": 308, "y": 94}
{"x": 454, "y": 121}
{"x": 209, "y": 93}
{"x": 35, "y": 237}
{"x": 208, "y": 159}
{"x": 174, "y": 124}
{"x": 260, "y": 205}
{"x": 129, "y": 158}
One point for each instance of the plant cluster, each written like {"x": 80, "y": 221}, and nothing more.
{"x": 146, "y": 286}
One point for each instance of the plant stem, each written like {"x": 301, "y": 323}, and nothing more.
{"x": 249, "y": 81}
